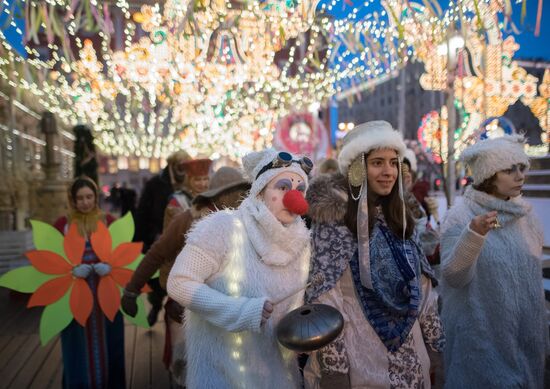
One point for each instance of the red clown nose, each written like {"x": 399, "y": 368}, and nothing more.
{"x": 295, "y": 202}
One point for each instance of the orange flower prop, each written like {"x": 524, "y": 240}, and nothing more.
{"x": 48, "y": 262}
{"x": 124, "y": 254}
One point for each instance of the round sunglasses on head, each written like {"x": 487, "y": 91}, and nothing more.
{"x": 284, "y": 159}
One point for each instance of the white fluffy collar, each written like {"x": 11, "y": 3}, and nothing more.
{"x": 507, "y": 210}
{"x": 275, "y": 243}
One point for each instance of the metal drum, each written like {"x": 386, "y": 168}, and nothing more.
{"x": 310, "y": 327}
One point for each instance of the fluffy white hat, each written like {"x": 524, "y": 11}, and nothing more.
{"x": 411, "y": 157}
{"x": 368, "y": 136}
{"x": 489, "y": 156}
{"x": 255, "y": 161}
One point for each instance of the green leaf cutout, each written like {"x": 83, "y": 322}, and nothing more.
{"x": 55, "y": 318}
{"x": 133, "y": 266}
{"x": 141, "y": 316}
{"x": 46, "y": 237}
{"x": 24, "y": 279}
{"x": 122, "y": 230}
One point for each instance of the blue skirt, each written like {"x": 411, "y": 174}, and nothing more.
{"x": 93, "y": 356}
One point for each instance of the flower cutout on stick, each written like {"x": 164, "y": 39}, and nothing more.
{"x": 58, "y": 279}
{"x": 108, "y": 292}
{"x": 48, "y": 262}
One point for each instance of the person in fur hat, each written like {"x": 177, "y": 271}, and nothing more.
{"x": 493, "y": 298}
{"x": 374, "y": 271}
{"x": 235, "y": 264}
{"x": 227, "y": 189}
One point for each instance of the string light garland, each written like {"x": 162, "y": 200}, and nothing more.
{"x": 208, "y": 77}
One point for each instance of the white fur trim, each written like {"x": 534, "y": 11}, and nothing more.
{"x": 489, "y": 156}
{"x": 369, "y": 136}
{"x": 411, "y": 157}
{"x": 255, "y": 161}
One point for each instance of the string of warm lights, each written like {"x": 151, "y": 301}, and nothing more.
{"x": 204, "y": 78}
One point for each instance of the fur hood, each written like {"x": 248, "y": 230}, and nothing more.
{"x": 327, "y": 196}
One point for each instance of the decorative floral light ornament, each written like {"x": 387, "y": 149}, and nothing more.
{"x": 55, "y": 264}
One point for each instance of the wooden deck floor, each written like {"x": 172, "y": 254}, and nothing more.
{"x": 26, "y": 364}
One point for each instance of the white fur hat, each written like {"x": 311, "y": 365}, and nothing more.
{"x": 255, "y": 161}
{"x": 489, "y": 156}
{"x": 368, "y": 136}
{"x": 411, "y": 157}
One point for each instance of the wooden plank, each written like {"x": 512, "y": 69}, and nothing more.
{"x": 129, "y": 350}
{"x": 45, "y": 375}
{"x": 4, "y": 340}
{"x": 32, "y": 366}
{"x": 159, "y": 375}
{"x": 57, "y": 380}
{"x": 12, "y": 317}
{"x": 19, "y": 359}
{"x": 141, "y": 371}
{"x": 11, "y": 349}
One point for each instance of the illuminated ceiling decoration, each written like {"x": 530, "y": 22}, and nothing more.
{"x": 207, "y": 77}
{"x": 541, "y": 107}
{"x": 482, "y": 91}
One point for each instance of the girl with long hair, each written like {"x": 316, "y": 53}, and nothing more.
{"x": 374, "y": 271}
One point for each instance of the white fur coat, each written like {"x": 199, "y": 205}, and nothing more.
{"x": 233, "y": 262}
{"x": 493, "y": 311}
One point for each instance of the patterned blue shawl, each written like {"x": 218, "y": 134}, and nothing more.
{"x": 393, "y": 305}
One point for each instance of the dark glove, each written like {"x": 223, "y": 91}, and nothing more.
{"x": 174, "y": 310}
{"x": 128, "y": 303}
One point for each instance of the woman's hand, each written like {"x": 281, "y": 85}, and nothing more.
{"x": 482, "y": 224}
{"x": 266, "y": 313}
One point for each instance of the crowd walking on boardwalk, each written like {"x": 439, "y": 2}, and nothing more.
{"x": 456, "y": 304}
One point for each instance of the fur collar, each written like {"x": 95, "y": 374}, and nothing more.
{"x": 327, "y": 196}
{"x": 509, "y": 210}
{"x": 275, "y": 243}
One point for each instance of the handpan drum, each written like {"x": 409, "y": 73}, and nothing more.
{"x": 310, "y": 327}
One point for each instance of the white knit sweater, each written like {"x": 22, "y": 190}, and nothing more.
{"x": 232, "y": 263}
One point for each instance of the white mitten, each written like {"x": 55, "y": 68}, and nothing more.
{"x": 82, "y": 271}
{"x": 102, "y": 268}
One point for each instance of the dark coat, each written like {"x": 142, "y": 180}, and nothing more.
{"x": 150, "y": 211}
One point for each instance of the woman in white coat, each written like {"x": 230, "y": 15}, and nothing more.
{"x": 493, "y": 300}
{"x": 235, "y": 265}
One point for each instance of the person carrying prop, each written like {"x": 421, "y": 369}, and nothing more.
{"x": 227, "y": 189}
{"x": 374, "y": 270}
{"x": 233, "y": 266}
{"x": 76, "y": 274}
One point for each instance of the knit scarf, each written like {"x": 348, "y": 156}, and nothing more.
{"x": 392, "y": 305}
{"x": 275, "y": 243}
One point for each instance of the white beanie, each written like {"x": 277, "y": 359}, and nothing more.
{"x": 489, "y": 156}
{"x": 257, "y": 160}
{"x": 411, "y": 157}
{"x": 377, "y": 134}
